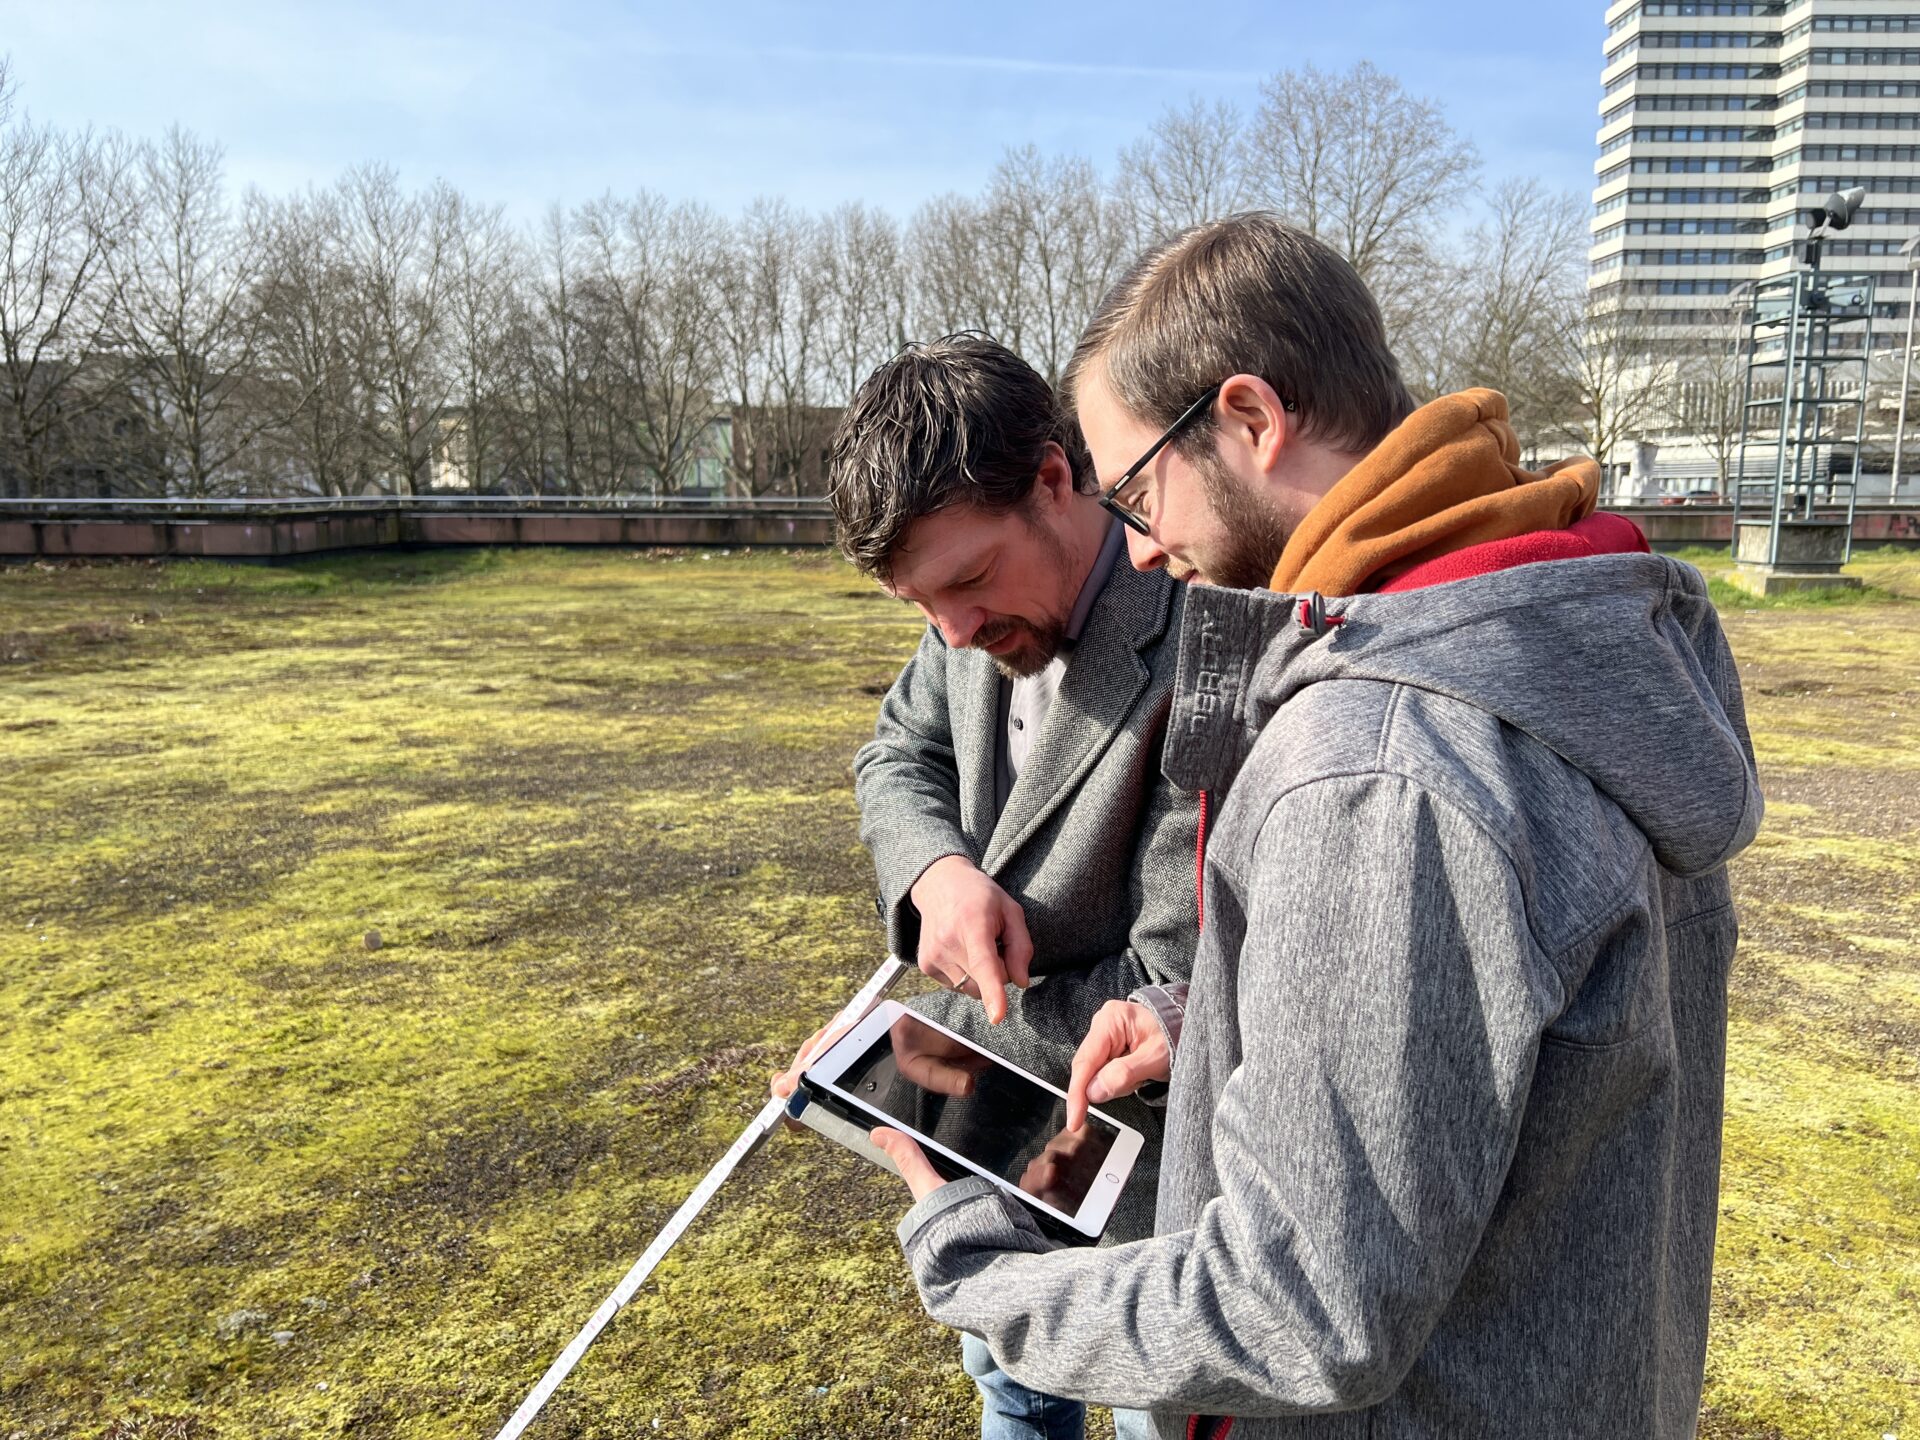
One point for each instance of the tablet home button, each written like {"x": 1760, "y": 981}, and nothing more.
{"x": 1112, "y": 1179}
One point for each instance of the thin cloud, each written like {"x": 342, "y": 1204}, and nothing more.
{"x": 994, "y": 64}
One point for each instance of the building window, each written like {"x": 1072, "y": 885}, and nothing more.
{"x": 1701, "y": 165}
{"x": 1691, "y": 8}
{"x": 1859, "y": 154}
{"x": 1691, "y": 135}
{"x": 1695, "y": 197}
{"x": 1827, "y": 184}
{"x": 1651, "y": 103}
{"x": 1871, "y": 24}
{"x": 1693, "y": 257}
{"x": 1695, "y": 71}
{"x": 1856, "y": 90}
{"x": 1705, "y": 40}
{"x": 1864, "y": 57}
{"x": 1691, "y": 226}
{"x": 1843, "y": 120}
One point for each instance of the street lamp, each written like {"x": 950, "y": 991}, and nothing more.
{"x": 1836, "y": 214}
{"x": 1912, "y": 251}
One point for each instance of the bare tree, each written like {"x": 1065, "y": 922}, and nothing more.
{"x": 553, "y": 348}
{"x": 773, "y": 297}
{"x": 1189, "y": 168}
{"x": 650, "y": 298}
{"x": 1357, "y": 161}
{"x": 521, "y": 446}
{"x": 1429, "y": 334}
{"x": 62, "y": 210}
{"x": 1052, "y": 244}
{"x": 677, "y": 429}
{"x": 187, "y": 282}
{"x": 399, "y": 252}
{"x": 864, "y": 264}
{"x": 308, "y": 350}
{"x": 366, "y": 337}
{"x": 1520, "y": 287}
{"x": 1619, "y": 379}
{"x": 1027, "y": 263}
{"x": 948, "y": 268}
{"x": 485, "y": 268}
{"x": 1709, "y": 387}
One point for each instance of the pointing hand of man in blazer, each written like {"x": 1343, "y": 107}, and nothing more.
{"x": 973, "y": 935}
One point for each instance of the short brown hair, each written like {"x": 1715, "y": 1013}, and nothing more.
{"x": 1252, "y": 295}
{"x": 961, "y": 420}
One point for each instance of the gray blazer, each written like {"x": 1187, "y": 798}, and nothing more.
{"x": 1094, "y": 843}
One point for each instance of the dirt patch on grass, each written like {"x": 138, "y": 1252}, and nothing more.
{"x": 25, "y": 647}
{"x": 1850, "y": 800}
{"x": 148, "y": 1425}
{"x": 470, "y": 1170}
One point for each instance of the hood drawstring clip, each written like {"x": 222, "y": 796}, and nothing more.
{"x": 1313, "y": 614}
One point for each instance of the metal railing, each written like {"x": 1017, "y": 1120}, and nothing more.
{"x": 137, "y": 509}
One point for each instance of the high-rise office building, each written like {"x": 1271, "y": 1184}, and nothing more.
{"x": 1722, "y": 121}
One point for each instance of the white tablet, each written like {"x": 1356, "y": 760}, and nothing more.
{"x": 975, "y": 1114}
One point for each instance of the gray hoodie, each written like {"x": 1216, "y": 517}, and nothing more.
{"x": 1443, "y": 1143}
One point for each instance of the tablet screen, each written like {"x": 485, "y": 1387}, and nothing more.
{"x": 994, "y": 1116}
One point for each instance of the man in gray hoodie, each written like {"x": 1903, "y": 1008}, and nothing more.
{"x": 1442, "y": 1145}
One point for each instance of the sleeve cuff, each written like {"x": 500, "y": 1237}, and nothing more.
{"x": 901, "y": 917}
{"x": 1168, "y": 1005}
{"x": 947, "y": 1197}
{"x": 901, "y": 857}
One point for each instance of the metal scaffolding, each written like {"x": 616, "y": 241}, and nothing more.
{"x": 1808, "y": 344}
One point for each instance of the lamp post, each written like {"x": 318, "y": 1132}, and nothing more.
{"x": 1912, "y": 251}
{"x": 1802, "y": 549}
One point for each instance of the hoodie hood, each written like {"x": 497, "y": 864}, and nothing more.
{"x": 1446, "y": 479}
{"x": 1616, "y": 663}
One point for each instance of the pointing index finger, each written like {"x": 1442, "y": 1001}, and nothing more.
{"x": 1085, "y": 1063}
{"x": 987, "y": 972}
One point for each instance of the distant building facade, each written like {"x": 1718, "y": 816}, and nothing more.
{"x": 781, "y": 450}
{"x": 1721, "y": 122}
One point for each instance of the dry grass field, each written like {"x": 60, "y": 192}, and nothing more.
{"x": 259, "y": 1178}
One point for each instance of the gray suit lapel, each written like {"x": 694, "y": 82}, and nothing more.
{"x": 1103, "y": 682}
{"x": 973, "y": 698}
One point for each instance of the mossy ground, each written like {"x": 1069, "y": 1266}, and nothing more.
{"x": 259, "y": 1180}
{"x": 1817, "y": 1291}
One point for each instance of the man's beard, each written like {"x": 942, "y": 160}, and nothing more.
{"x": 1046, "y": 638}
{"x": 1030, "y": 657}
{"x": 1253, "y": 531}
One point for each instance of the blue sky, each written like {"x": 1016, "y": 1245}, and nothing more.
{"x": 890, "y": 103}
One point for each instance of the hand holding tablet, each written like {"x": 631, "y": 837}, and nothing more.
{"x": 940, "y": 1108}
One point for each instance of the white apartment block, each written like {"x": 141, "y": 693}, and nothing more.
{"x": 1722, "y": 121}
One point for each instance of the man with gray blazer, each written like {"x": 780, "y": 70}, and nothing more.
{"x": 1028, "y": 850}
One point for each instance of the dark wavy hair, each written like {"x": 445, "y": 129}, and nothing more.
{"x": 961, "y": 420}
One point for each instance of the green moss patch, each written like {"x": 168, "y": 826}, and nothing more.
{"x": 387, "y": 943}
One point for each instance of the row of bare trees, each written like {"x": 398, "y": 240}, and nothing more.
{"x": 159, "y": 335}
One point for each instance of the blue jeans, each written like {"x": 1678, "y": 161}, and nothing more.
{"x": 1010, "y": 1411}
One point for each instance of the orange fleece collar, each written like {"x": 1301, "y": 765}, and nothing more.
{"x": 1446, "y": 478}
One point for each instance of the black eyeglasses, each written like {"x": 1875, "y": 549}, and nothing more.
{"x": 1110, "y": 497}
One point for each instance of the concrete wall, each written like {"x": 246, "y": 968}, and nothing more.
{"x": 1675, "y": 527}
{"x": 270, "y": 536}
